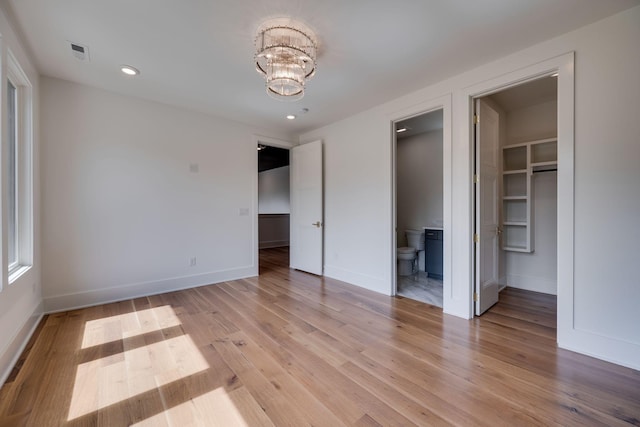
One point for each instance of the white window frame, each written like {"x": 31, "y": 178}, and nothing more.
{"x": 24, "y": 168}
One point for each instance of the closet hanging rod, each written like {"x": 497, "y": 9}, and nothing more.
{"x": 545, "y": 170}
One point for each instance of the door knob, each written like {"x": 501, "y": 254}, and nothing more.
{"x": 317, "y": 224}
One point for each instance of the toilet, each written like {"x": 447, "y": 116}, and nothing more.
{"x": 408, "y": 256}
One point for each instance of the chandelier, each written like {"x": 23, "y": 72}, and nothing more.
{"x": 286, "y": 56}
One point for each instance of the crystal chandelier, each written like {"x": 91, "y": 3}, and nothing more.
{"x": 286, "y": 56}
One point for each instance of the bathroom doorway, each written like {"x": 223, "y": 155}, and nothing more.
{"x": 516, "y": 218}
{"x": 273, "y": 205}
{"x": 419, "y": 145}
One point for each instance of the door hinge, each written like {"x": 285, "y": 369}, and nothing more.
{"x": 476, "y": 179}
{"x": 476, "y": 238}
{"x": 476, "y": 119}
{"x": 475, "y": 296}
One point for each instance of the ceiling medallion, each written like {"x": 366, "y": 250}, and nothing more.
{"x": 286, "y": 57}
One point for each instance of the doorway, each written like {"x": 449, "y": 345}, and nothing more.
{"x": 419, "y": 233}
{"x": 273, "y": 204}
{"x": 515, "y": 197}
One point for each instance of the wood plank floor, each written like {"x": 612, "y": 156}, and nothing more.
{"x": 291, "y": 349}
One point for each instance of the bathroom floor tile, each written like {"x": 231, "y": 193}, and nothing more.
{"x": 425, "y": 289}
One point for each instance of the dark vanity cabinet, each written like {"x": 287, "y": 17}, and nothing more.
{"x": 433, "y": 253}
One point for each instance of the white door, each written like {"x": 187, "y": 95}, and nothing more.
{"x": 306, "y": 208}
{"x": 486, "y": 207}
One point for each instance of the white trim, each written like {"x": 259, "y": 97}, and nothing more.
{"x": 18, "y": 271}
{"x": 612, "y": 350}
{"x": 273, "y": 142}
{"x": 532, "y": 283}
{"x": 77, "y": 300}
{"x": 562, "y": 64}
{"x": 25, "y": 217}
{"x": 14, "y": 349}
{"x": 440, "y": 103}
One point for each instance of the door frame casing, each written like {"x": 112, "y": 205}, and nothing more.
{"x": 272, "y": 142}
{"x": 564, "y": 66}
{"x": 440, "y": 103}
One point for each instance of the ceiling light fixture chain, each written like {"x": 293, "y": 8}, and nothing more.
{"x": 286, "y": 57}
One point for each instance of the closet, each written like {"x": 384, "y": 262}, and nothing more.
{"x": 528, "y": 185}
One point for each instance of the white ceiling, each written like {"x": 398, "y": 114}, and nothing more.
{"x": 198, "y": 54}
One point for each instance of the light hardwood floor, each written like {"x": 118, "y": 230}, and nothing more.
{"x": 291, "y": 349}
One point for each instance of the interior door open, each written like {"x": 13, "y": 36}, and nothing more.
{"x": 486, "y": 207}
{"x": 306, "y": 208}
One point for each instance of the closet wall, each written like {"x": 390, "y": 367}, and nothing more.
{"x": 536, "y": 270}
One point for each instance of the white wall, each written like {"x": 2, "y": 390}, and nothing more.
{"x": 273, "y": 191}
{"x": 606, "y": 287}
{"x": 273, "y": 230}
{"x": 357, "y": 210}
{"x": 530, "y": 123}
{"x": 124, "y": 211}
{"x": 21, "y": 301}
{"x": 607, "y": 201}
{"x": 536, "y": 271}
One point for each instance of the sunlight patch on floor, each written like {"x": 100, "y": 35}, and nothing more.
{"x": 113, "y": 328}
{"x": 113, "y": 379}
{"x": 215, "y": 408}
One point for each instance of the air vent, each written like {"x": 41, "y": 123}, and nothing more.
{"x": 81, "y": 52}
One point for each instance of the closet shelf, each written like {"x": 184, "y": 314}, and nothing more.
{"x": 519, "y": 162}
{"x": 516, "y": 249}
{"x": 538, "y": 164}
{"x": 534, "y": 142}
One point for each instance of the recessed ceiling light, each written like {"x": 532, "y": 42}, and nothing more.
{"x": 129, "y": 70}
{"x": 401, "y": 130}
{"x": 554, "y": 75}
{"x": 291, "y": 117}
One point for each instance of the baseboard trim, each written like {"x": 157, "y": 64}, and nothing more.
{"x": 15, "y": 348}
{"x": 531, "y": 283}
{"x": 358, "y": 279}
{"x": 273, "y": 244}
{"x": 78, "y": 300}
{"x": 611, "y": 350}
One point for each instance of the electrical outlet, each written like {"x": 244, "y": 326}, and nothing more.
{"x": 192, "y": 262}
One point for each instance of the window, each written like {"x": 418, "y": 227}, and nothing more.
{"x": 12, "y": 179}
{"x": 17, "y": 171}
